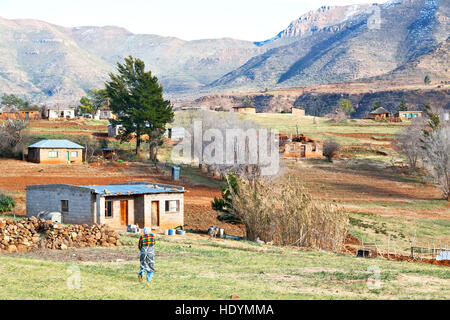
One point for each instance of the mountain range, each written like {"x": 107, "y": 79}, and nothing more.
{"x": 399, "y": 41}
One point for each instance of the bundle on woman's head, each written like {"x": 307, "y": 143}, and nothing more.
{"x": 147, "y": 230}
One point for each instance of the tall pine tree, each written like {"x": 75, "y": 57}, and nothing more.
{"x": 137, "y": 99}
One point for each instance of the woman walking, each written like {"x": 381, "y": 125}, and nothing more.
{"x": 146, "y": 246}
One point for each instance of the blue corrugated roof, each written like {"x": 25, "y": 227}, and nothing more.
{"x": 56, "y": 144}
{"x": 137, "y": 188}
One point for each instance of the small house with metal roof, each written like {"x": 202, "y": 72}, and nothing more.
{"x": 55, "y": 151}
{"x": 145, "y": 204}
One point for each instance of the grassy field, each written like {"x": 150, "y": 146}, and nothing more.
{"x": 380, "y": 199}
{"x": 196, "y": 268}
{"x": 321, "y": 128}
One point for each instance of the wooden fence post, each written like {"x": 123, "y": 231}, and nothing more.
{"x": 389, "y": 238}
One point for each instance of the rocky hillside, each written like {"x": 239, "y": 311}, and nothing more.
{"x": 319, "y": 101}
{"x": 41, "y": 61}
{"x": 53, "y": 64}
{"x": 399, "y": 41}
{"x": 326, "y": 17}
{"x": 373, "y": 41}
{"x": 179, "y": 64}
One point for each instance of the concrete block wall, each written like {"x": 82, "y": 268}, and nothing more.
{"x": 48, "y": 198}
{"x": 88, "y": 208}
{"x": 115, "y": 220}
{"x": 167, "y": 220}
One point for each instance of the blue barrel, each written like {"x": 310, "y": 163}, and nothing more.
{"x": 171, "y": 232}
{"x": 175, "y": 173}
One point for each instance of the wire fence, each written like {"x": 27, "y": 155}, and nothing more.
{"x": 394, "y": 249}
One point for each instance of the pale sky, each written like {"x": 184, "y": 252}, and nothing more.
{"x": 252, "y": 20}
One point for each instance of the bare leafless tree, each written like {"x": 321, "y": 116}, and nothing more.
{"x": 436, "y": 156}
{"x": 330, "y": 148}
{"x": 408, "y": 142}
{"x": 12, "y": 137}
{"x": 219, "y": 122}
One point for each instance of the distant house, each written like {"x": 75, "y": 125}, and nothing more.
{"x": 146, "y": 204}
{"x": 379, "y": 113}
{"x": 9, "y": 112}
{"x": 300, "y": 146}
{"x": 298, "y": 111}
{"x": 408, "y": 115}
{"x": 29, "y": 114}
{"x": 55, "y": 151}
{"x": 59, "y": 112}
{"x": 114, "y": 130}
{"x": 104, "y": 113}
{"x": 175, "y": 133}
{"x": 245, "y": 109}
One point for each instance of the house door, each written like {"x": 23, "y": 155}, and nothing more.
{"x": 302, "y": 151}
{"x": 124, "y": 212}
{"x": 68, "y": 156}
{"x": 155, "y": 213}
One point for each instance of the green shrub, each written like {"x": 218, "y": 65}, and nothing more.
{"x": 7, "y": 203}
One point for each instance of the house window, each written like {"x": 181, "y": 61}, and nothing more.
{"x": 404, "y": 115}
{"x": 64, "y": 206}
{"x": 53, "y": 154}
{"x": 74, "y": 154}
{"x": 108, "y": 209}
{"x": 172, "y": 206}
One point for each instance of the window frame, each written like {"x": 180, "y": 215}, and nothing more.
{"x": 74, "y": 156}
{"x": 167, "y": 207}
{"x": 62, "y": 207}
{"x": 110, "y": 203}
{"x": 51, "y": 152}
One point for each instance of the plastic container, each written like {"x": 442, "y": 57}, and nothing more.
{"x": 181, "y": 232}
{"x": 171, "y": 232}
{"x": 166, "y": 232}
{"x": 175, "y": 173}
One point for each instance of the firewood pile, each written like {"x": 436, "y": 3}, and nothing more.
{"x": 31, "y": 233}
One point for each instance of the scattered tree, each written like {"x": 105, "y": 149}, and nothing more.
{"x": 408, "y": 142}
{"x": 15, "y": 101}
{"x": 93, "y": 101}
{"x": 12, "y": 138}
{"x": 219, "y": 122}
{"x": 7, "y": 203}
{"x": 427, "y": 80}
{"x": 224, "y": 204}
{"x": 247, "y": 101}
{"x": 376, "y": 106}
{"x": 436, "y": 155}
{"x": 137, "y": 99}
{"x": 402, "y": 106}
{"x": 347, "y": 107}
{"x": 330, "y": 148}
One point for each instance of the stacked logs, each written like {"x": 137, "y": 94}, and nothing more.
{"x": 31, "y": 233}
